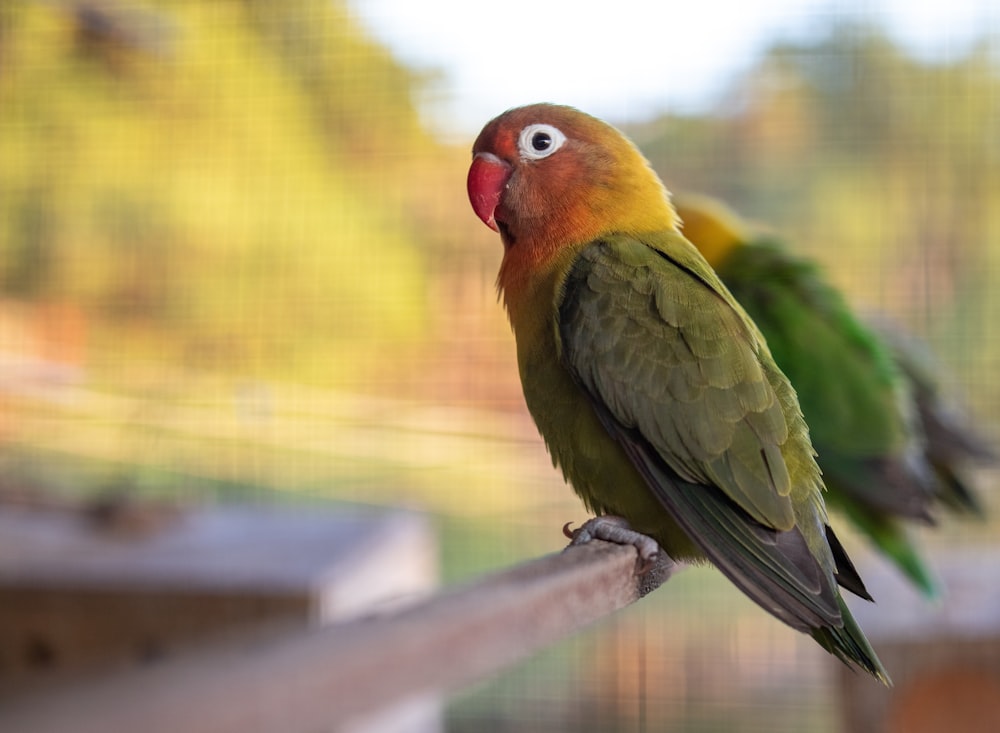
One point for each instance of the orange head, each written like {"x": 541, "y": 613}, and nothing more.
{"x": 550, "y": 177}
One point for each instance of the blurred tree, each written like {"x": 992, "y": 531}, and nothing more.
{"x": 202, "y": 172}
{"x": 363, "y": 108}
{"x": 29, "y": 263}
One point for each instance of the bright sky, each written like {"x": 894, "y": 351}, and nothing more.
{"x": 627, "y": 59}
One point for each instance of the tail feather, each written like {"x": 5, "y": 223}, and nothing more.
{"x": 896, "y": 546}
{"x": 846, "y": 574}
{"x": 954, "y": 492}
{"x": 849, "y": 645}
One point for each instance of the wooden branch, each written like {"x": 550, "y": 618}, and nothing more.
{"x": 317, "y": 679}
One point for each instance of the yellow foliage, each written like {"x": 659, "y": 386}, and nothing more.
{"x": 200, "y": 180}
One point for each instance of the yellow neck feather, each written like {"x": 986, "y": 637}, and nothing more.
{"x": 710, "y": 226}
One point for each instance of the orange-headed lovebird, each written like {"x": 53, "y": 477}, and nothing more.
{"x": 654, "y": 391}
{"x": 888, "y": 447}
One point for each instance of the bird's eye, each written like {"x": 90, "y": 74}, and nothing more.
{"x": 539, "y": 141}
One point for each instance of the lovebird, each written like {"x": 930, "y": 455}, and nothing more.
{"x": 890, "y": 448}
{"x": 654, "y": 391}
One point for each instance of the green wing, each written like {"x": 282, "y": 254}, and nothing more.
{"x": 851, "y": 393}
{"x": 681, "y": 378}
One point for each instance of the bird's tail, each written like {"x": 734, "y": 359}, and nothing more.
{"x": 849, "y": 645}
{"x": 955, "y": 492}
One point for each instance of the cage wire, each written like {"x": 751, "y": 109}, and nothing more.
{"x": 237, "y": 265}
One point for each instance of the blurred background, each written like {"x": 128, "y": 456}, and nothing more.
{"x": 237, "y": 264}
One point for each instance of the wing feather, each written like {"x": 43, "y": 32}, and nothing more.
{"x": 680, "y": 379}
{"x": 667, "y": 356}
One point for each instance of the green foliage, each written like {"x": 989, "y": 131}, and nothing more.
{"x": 199, "y": 172}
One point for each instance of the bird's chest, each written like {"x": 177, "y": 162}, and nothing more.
{"x": 590, "y": 459}
{"x": 594, "y": 464}
{"x": 577, "y": 441}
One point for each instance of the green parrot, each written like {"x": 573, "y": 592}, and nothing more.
{"x": 653, "y": 389}
{"x": 887, "y": 447}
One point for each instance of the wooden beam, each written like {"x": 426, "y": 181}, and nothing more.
{"x": 318, "y": 679}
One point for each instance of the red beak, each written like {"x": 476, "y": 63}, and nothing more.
{"x": 487, "y": 178}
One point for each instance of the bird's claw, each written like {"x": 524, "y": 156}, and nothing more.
{"x": 569, "y": 533}
{"x": 618, "y": 531}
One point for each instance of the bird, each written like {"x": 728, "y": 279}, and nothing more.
{"x": 653, "y": 390}
{"x": 889, "y": 446}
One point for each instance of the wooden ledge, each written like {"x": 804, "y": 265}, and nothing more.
{"x": 319, "y": 678}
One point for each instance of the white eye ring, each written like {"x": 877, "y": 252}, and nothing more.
{"x": 539, "y": 141}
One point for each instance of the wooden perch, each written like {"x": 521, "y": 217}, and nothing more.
{"x": 320, "y": 678}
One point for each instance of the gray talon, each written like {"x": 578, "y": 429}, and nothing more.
{"x": 618, "y": 531}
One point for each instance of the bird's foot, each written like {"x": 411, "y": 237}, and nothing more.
{"x": 618, "y": 531}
